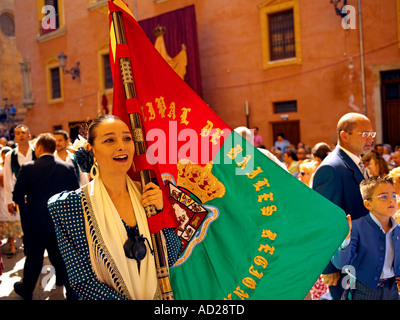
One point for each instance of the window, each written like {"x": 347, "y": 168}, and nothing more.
{"x": 281, "y": 33}
{"x": 285, "y": 106}
{"x": 7, "y": 25}
{"x": 398, "y": 21}
{"x": 108, "y": 80}
{"x": 105, "y": 75}
{"x": 50, "y": 17}
{"x": 280, "y": 29}
{"x": 55, "y": 83}
{"x": 391, "y": 84}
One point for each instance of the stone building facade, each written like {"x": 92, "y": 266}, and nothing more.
{"x": 296, "y": 66}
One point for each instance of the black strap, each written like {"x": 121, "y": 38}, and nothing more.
{"x": 15, "y": 166}
{"x": 76, "y": 167}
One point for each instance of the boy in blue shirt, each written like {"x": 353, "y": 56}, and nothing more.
{"x": 372, "y": 249}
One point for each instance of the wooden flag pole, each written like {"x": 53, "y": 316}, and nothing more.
{"x": 140, "y": 148}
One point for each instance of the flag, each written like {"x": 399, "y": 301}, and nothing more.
{"x": 249, "y": 229}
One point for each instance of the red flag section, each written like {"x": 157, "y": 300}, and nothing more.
{"x": 178, "y": 124}
{"x": 170, "y": 109}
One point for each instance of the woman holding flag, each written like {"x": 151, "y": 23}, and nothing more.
{"x": 102, "y": 229}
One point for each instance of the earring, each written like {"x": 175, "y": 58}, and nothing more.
{"x": 94, "y": 171}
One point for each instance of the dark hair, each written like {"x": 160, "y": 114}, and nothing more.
{"x": 382, "y": 164}
{"x": 62, "y": 132}
{"x": 292, "y": 153}
{"x": 84, "y": 157}
{"x": 47, "y": 141}
{"x": 320, "y": 150}
{"x": 91, "y": 134}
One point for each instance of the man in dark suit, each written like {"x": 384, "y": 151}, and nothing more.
{"x": 37, "y": 181}
{"x": 339, "y": 176}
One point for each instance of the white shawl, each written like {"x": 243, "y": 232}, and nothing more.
{"x": 106, "y": 236}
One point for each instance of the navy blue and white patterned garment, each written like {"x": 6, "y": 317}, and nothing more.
{"x": 67, "y": 212}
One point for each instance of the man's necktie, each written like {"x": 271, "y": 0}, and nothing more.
{"x": 363, "y": 170}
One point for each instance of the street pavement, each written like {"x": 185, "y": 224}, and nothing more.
{"x": 14, "y": 267}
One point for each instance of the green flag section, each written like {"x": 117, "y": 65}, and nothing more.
{"x": 268, "y": 237}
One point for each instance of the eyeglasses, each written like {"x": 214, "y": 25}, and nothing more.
{"x": 366, "y": 134}
{"x": 385, "y": 197}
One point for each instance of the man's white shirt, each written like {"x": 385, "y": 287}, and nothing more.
{"x": 8, "y": 175}
{"x": 83, "y": 177}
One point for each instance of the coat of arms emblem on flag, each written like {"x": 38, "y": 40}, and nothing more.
{"x": 197, "y": 185}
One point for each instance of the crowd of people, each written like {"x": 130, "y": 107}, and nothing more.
{"x": 336, "y": 172}
{"x": 113, "y": 205}
{"x": 114, "y": 260}
{"x": 302, "y": 160}
{"x": 34, "y": 228}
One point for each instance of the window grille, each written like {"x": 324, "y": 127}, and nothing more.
{"x": 281, "y": 33}
{"x": 285, "y": 106}
{"x": 55, "y": 83}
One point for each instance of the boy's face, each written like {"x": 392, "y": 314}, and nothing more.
{"x": 379, "y": 207}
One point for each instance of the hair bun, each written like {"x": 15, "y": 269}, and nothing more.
{"x": 84, "y": 158}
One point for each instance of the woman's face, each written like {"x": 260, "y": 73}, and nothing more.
{"x": 373, "y": 168}
{"x": 304, "y": 176}
{"x": 286, "y": 158}
{"x": 113, "y": 147}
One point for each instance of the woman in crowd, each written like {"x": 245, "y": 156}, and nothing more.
{"x": 10, "y": 225}
{"x": 377, "y": 165}
{"x": 318, "y": 153}
{"x": 291, "y": 161}
{"x": 102, "y": 228}
{"x": 306, "y": 170}
{"x": 395, "y": 175}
